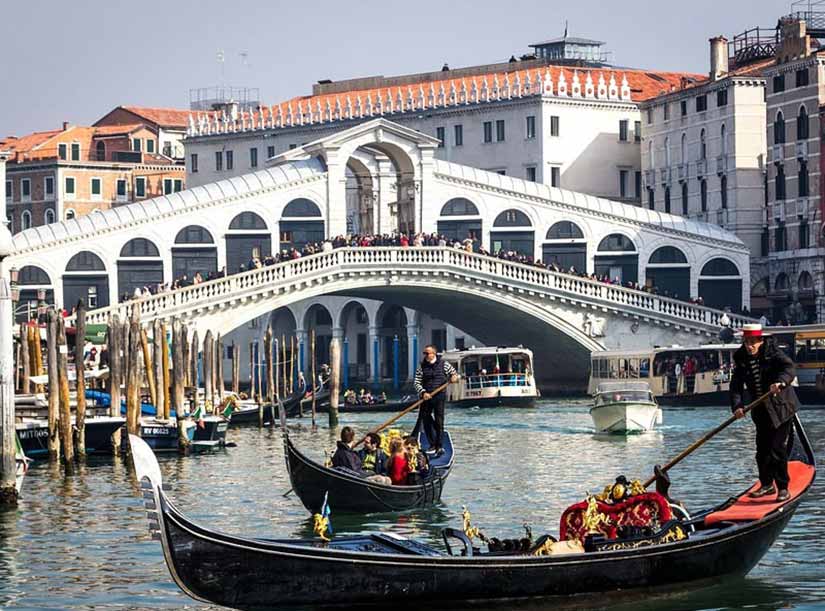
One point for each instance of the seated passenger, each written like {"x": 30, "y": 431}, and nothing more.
{"x": 418, "y": 466}
{"x": 397, "y": 467}
{"x": 345, "y": 457}
{"x": 374, "y": 460}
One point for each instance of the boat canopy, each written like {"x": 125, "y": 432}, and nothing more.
{"x": 623, "y": 386}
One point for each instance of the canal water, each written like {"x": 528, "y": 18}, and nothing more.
{"x": 81, "y": 542}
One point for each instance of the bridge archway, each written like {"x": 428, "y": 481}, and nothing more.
{"x": 720, "y": 284}
{"x": 139, "y": 265}
{"x": 194, "y": 252}
{"x": 319, "y": 319}
{"x": 85, "y": 278}
{"x": 617, "y": 258}
{"x": 565, "y": 245}
{"x": 460, "y": 219}
{"x": 35, "y": 285}
{"x": 392, "y": 322}
{"x": 300, "y": 224}
{"x": 513, "y": 231}
{"x": 669, "y": 271}
{"x": 354, "y": 322}
{"x": 247, "y": 238}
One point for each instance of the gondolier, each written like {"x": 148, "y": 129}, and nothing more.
{"x": 761, "y": 366}
{"x": 432, "y": 372}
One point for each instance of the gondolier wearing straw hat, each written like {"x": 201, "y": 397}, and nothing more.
{"x": 431, "y": 373}
{"x": 761, "y": 366}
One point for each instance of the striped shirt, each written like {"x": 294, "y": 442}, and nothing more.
{"x": 449, "y": 371}
{"x": 754, "y": 375}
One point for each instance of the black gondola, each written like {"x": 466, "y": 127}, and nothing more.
{"x": 247, "y": 573}
{"x": 348, "y": 492}
{"x": 248, "y": 413}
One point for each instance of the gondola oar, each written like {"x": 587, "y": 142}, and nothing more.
{"x": 660, "y": 477}
{"x": 404, "y": 412}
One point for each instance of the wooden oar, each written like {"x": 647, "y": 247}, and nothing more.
{"x": 402, "y": 413}
{"x": 699, "y": 442}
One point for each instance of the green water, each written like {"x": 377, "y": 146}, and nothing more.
{"x": 82, "y": 542}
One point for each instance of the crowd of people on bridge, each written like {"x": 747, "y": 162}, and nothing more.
{"x": 402, "y": 240}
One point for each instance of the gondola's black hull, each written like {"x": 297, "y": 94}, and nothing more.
{"x": 247, "y": 574}
{"x": 350, "y": 494}
{"x": 35, "y": 440}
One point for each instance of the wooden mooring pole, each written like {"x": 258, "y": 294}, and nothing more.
{"x": 208, "y": 371}
{"x": 65, "y": 422}
{"x": 334, "y": 380}
{"x": 312, "y": 357}
{"x": 236, "y": 369}
{"x": 164, "y": 373}
{"x": 179, "y": 349}
{"x": 54, "y": 384}
{"x": 132, "y": 375}
{"x": 36, "y": 357}
{"x": 113, "y": 338}
{"x": 270, "y": 374}
{"x": 156, "y": 366}
{"x": 218, "y": 371}
{"x": 80, "y": 371}
{"x": 25, "y": 362}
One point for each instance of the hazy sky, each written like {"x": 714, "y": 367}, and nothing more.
{"x": 75, "y": 60}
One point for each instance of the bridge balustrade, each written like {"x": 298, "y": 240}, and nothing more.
{"x": 399, "y": 259}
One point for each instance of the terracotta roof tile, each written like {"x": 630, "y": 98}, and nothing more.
{"x": 164, "y": 117}
{"x": 116, "y": 130}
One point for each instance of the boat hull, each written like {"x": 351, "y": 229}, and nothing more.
{"x": 163, "y": 436}
{"x": 346, "y": 492}
{"x": 34, "y": 436}
{"x": 624, "y": 417}
{"x": 244, "y": 574}
{"x": 498, "y": 401}
{"x": 211, "y": 432}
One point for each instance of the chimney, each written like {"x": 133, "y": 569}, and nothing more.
{"x": 718, "y": 57}
{"x": 65, "y": 125}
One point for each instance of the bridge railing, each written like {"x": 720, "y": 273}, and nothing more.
{"x": 400, "y": 259}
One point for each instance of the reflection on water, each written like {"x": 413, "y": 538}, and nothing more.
{"x": 81, "y": 541}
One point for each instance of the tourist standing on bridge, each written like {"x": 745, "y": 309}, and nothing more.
{"x": 760, "y": 366}
{"x": 432, "y": 372}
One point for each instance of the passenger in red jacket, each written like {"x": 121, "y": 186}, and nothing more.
{"x": 397, "y": 466}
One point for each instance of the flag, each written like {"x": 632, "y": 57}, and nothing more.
{"x": 322, "y": 526}
{"x": 326, "y": 512}
{"x": 197, "y": 416}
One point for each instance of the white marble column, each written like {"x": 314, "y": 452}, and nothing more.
{"x": 374, "y": 356}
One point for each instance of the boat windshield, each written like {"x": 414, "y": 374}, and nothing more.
{"x": 618, "y": 396}
{"x": 495, "y": 370}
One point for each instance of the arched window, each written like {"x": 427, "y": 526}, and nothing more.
{"x": 720, "y": 267}
{"x": 616, "y": 242}
{"x": 25, "y": 220}
{"x": 512, "y": 218}
{"x": 100, "y": 150}
{"x": 49, "y": 217}
{"x": 723, "y": 140}
{"x": 781, "y": 282}
{"x": 564, "y": 230}
{"x": 703, "y": 145}
{"x": 31, "y": 274}
{"x": 247, "y": 221}
{"x": 667, "y": 254}
{"x": 301, "y": 207}
{"x": 761, "y": 288}
{"x": 802, "y": 125}
{"x": 459, "y": 206}
{"x": 684, "y": 156}
{"x": 85, "y": 261}
{"x": 805, "y": 282}
{"x": 139, "y": 247}
{"x": 194, "y": 234}
{"x": 779, "y": 129}
{"x": 70, "y": 214}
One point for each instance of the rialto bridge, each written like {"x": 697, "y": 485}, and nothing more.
{"x": 302, "y": 196}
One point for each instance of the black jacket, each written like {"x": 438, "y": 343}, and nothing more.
{"x": 774, "y": 366}
{"x": 346, "y": 457}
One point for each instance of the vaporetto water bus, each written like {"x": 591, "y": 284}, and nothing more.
{"x": 677, "y": 375}
{"x": 492, "y": 376}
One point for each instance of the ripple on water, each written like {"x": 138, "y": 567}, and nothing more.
{"x": 81, "y": 541}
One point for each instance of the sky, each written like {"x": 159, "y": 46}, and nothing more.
{"x": 74, "y": 61}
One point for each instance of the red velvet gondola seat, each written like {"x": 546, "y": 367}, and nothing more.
{"x": 650, "y": 509}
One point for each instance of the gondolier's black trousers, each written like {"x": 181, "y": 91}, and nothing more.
{"x": 431, "y": 421}
{"x": 772, "y": 447}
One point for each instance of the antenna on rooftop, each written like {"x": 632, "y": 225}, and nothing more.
{"x": 220, "y": 57}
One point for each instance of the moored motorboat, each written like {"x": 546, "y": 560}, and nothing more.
{"x": 725, "y": 540}
{"x": 162, "y": 435}
{"x": 348, "y": 492}
{"x": 624, "y": 407}
{"x": 210, "y": 431}
{"x": 34, "y": 434}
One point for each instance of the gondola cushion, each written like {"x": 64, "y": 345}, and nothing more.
{"x": 746, "y": 509}
{"x": 647, "y": 510}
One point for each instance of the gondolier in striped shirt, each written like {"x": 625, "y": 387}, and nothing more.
{"x": 760, "y": 366}
{"x": 432, "y": 372}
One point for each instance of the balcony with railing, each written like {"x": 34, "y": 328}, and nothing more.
{"x": 752, "y": 45}
{"x": 701, "y": 167}
{"x": 682, "y": 171}
{"x": 802, "y": 149}
{"x": 776, "y": 153}
{"x": 650, "y": 178}
{"x": 665, "y": 175}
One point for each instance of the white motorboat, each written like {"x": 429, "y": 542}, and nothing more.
{"x": 624, "y": 407}
{"x": 492, "y": 377}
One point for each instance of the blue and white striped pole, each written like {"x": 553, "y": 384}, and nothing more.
{"x": 345, "y": 365}
{"x": 376, "y": 374}
{"x": 395, "y": 362}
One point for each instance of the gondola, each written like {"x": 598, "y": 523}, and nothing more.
{"x": 350, "y": 493}
{"x": 247, "y": 411}
{"x": 245, "y": 573}
{"x": 377, "y": 407}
